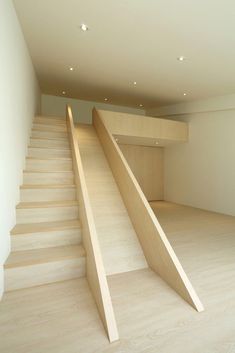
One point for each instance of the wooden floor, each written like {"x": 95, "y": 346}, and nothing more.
{"x": 151, "y": 318}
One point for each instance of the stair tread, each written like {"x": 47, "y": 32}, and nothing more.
{"x": 46, "y": 128}
{"x": 50, "y": 121}
{"x": 44, "y": 255}
{"x": 49, "y": 138}
{"x": 47, "y": 186}
{"x": 45, "y": 204}
{"x": 51, "y": 148}
{"x": 51, "y": 158}
{"x": 62, "y": 118}
{"x": 45, "y": 227}
{"x": 47, "y": 171}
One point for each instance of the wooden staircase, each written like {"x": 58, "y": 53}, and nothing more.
{"x": 46, "y": 241}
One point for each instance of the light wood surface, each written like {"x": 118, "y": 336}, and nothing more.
{"x": 45, "y": 242}
{"x": 156, "y": 247}
{"x": 49, "y": 142}
{"x": 39, "y": 177}
{"x": 50, "y": 127}
{"x": 48, "y": 134}
{"x": 48, "y": 152}
{"x": 35, "y": 212}
{"x": 146, "y": 164}
{"x": 146, "y": 129}
{"x": 45, "y": 235}
{"x": 40, "y": 266}
{"x": 38, "y": 256}
{"x": 150, "y": 316}
{"x": 94, "y": 264}
{"x": 119, "y": 244}
{"x": 48, "y": 164}
{"x": 50, "y": 120}
{"x": 37, "y": 193}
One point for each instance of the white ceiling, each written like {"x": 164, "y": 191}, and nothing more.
{"x": 132, "y": 40}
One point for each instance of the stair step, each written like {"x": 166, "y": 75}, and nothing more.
{"x": 49, "y": 134}
{"x": 49, "y": 120}
{"x": 46, "y": 239}
{"x": 44, "y": 177}
{"x": 50, "y": 211}
{"x": 50, "y": 152}
{"x": 49, "y": 142}
{"x": 29, "y": 268}
{"x": 48, "y": 164}
{"x": 36, "y": 193}
{"x": 50, "y": 127}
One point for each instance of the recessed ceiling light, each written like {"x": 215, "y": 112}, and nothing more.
{"x": 84, "y": 27}
{"x": 181, "y": 58}
{"x": 156, "y": 143}
{"x": 135, "y": 83}
{"x": 140, "y": 105}
{"x": 106, "y": 99}
{"x": 185, "y": 94}
{"x": 63, "y": 92}
{"x": 71, "y": 68}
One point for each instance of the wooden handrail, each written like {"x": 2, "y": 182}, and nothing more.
{"x": 94, "y": 265}
{"x": 156, "y": 247}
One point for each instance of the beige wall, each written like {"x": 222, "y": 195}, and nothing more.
{"x": 201, "y": 173}
{"x": 19, "y": 99}
{"x": 146, "y": 164}
{"x": 82, "y": 110}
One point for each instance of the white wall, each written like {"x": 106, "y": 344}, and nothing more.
{"x": 19, "y": 100}
{"x": 82, "y": 110}
{"x": 201, "y": 173}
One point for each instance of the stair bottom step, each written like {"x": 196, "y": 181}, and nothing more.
{"x": 24, "y": 269}
{"x": 44, "y": 273}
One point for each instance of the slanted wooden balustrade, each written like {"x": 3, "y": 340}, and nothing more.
{"x": 94, "y": 266}
{"x": 156, "y": 247}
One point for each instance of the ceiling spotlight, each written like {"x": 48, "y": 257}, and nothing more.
{"x": 106, "y": 99}
{"x": 140, "y": 105}
{"x": 71, "y": 68}
{"x": 135, "y": 83}
{"x": 181, "y": 58}
{"x": 63, "y": 92}
{"x": 156, "y": 143}
{"x": 185, "y": 94}
{"x": 84, "y": 27}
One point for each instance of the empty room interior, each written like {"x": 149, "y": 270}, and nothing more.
{"x": 117, "y": 176}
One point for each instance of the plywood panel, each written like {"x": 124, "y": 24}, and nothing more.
{"x": 145, "y": 128}
{"x": 157, "y": 249}
{"x": 119, "y": 244}
{"x": 94, "y": 265}
{"x": 146, "y": 164}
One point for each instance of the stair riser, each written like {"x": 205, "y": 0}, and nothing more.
{"x": 46, "y": 214}
{"x": 62, "y": 143}
{"x": 48, "y": 178}
{"x": 48, "y": 165}
{"x": 41, "y": 240}
{"x": 49, "y": 134}
{"x": 50, "y": 127}
{"x": 37, "y": 195}
{"x": 48, "y": 152}
{"x": 50, "y": 120}
{"x": 35, "y": 275}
